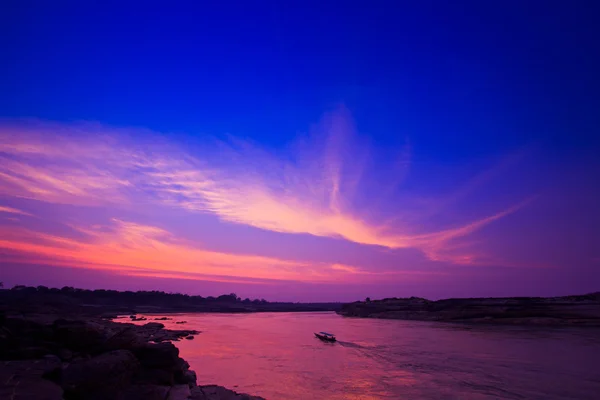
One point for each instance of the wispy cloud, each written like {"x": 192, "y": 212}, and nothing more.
{"x": 142, "y": 250}
{"x": 11, "y": 210}
{"x": 309, "y": 190}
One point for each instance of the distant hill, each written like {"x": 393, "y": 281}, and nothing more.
{"x": 40, "y": 299}
{"x": 582, "y": 310}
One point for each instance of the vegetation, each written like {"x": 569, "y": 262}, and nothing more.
{"x": 148, "y": 301}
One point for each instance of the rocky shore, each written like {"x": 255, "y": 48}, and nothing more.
{"x": 54, "y": 357}
{"x": 583, "y": 310}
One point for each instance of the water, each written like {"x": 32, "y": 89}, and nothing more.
{"x": 275, "y": 355}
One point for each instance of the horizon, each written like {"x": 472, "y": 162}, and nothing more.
{"x": 240, "y": 299}
{"x": 301, "y": 156}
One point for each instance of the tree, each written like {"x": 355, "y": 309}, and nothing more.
{"x": 368, "y": 300}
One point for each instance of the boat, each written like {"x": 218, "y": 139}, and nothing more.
{"x": 326, "y": 337}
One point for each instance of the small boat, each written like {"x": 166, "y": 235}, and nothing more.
{"x": 327, "y": 337}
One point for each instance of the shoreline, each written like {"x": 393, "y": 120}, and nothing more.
{"x": 565, "y": 311}
{"x": 65, "y": 356}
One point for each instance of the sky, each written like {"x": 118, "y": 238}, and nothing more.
{"x": 301, "y": 151}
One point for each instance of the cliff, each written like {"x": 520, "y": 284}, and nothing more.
{"x": 581, "y": 310}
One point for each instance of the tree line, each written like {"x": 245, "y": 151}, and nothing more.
{"x": 141, "y": 296}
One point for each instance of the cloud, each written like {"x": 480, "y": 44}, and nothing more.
{"x": 11, "y": 210}
{"x": 312, "y": 188}
{"x": 134, "y": 249}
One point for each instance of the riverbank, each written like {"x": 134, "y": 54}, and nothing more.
{"x": 583, "y": 310}
{"x": 74, "y": 357}
{"x": 75, "y": 301}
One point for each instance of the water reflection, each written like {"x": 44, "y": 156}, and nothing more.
{"x": 276, "y": 355}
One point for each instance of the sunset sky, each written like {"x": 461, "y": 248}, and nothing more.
{"x": 302, "y": 151}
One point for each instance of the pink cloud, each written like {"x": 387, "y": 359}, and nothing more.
{"x": 11, "y": 210}
{"x": 142, "y": 250}
{"x": 312, "y": 190}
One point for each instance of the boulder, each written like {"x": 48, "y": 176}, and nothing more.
{"x": 79, "y": 336}
{"x": 179, "y": 392}
{"x": 16, "y": 352}
{"x": 153, "y": 325}
{"x": 100, "y": 377}
{"x": 64, "y": 354}
{"x": 24, "y": 380}
{"x": 155, "y": 376}
{"x": 22, "y": 338}
{"x": 180, "y": 370}
{"x": 158, "y": 355}
{"x": 190, "y": 378}
{"x": 144, "y": 392}
{"x": 127, "y": 339}
{"x": 29, "y": 328}
{"x": 21, "y": 388}
{"x": 214, "y": 392}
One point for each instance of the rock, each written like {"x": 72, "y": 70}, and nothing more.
{"x": 64, "y": 354}
{"x": 189, "y": 337}
{"x": 184, "y": 364}
{"x": 153, "y": 325}
{"x": 20, "y": 388}
{"x": 16, "y": 352}
{"x": 159, "y": 355}
{"x": 155, "y": 376}
{"x": 29, "y": 328}
{"x": 179, "y": 392}
{"x": 101, "y": 377}
{"x": 79, "y": 336}
{"x": 190, "y": 378}
{"x": 38, "y": 368}
{"x": 22, "y": 338}
{"x": 181, "y": 322}
{"x": 144, "y": 392}
{"x": 24, "y": 380}
{"x": 163, "y": 319}
{"x": 51, "y": 358}
{"x": 214, "y": 392}
{"x": 126, "y": 339}
{"x": 180, "y": 371}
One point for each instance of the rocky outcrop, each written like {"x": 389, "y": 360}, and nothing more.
{"x": 25, "y": 380}
{"x": 52, "y": 358}
{"x": 214, "y": 392}
{"x": 569, "y": 310}
{"x": 100, "y": 377}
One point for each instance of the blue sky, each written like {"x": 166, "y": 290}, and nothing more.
{"x": 465, "y": 74}
{"x": 497, "y": 103}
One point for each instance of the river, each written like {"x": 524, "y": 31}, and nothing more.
{"x": 275, "y": 355}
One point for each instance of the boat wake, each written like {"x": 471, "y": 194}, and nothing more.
{"x": 351, "y": 345}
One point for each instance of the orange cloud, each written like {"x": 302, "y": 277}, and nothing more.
{"x": 310, "y": 192}
{"x": 140, "y": 250}
{"x": 11, "y": 210}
